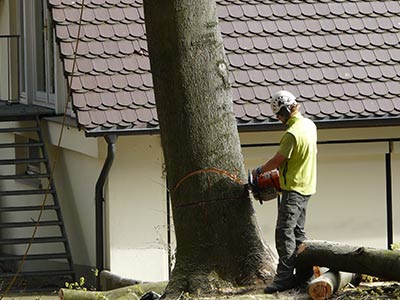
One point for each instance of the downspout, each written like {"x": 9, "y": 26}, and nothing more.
{"x": 389, "y": 199}
{"x": 99, "y": 199}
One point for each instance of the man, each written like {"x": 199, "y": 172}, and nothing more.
{"x": 296, "y": 160}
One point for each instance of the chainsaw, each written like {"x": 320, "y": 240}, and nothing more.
{"x": 265, "y": 187}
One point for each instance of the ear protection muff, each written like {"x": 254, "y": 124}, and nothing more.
{"x": 284, "y": 112}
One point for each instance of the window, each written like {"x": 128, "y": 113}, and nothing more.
{"x": 42, "y": 80}
{"x": 44, "y": 54}
{"x": 22, "y": 55}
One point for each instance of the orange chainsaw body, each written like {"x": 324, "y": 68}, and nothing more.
{"x": 268, "y": 180}
{"x": 265, "y": 186}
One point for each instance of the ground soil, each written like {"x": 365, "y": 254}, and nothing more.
{"x": 369, "y": 291}
{"x": 365, "y": 291}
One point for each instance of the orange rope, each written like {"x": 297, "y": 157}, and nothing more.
{"x": 208, "y": 201}
{"x": 231, "y": 176}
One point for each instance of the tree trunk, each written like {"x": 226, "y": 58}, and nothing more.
{"x": 354, "y": 259}
{"x": 324, "y": 286}
{"x": 218, "y": 239}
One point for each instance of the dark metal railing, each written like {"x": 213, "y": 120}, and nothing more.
{"x": 10, "y": 66}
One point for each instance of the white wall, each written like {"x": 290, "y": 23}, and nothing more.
{"x": 136, "y": 206}
{"x": 76, "y": 176}
{"x": 78, "y": 165}
{"x": 350, "y": 203}
{"x": 4, "y": 17}
{"x": 135, "y": 199}
{"x": 349, "y": 206}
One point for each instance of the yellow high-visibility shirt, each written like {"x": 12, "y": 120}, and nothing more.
{"x": 299, "y": 144}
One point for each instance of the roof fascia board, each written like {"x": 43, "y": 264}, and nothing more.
{"x": 322, "y": 124}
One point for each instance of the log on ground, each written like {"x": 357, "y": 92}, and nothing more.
{"x": 324, "y": 286}
{"x": 384, "y": 264}
{"x": 134, "y": 292}
{"x": 110, "y": 281}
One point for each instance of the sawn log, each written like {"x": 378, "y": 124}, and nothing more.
{"x": 110, "y": 281}
{"x": 324, "y": 286}
{"x": 381, "y": 263}
{"x": 133, "y": 292}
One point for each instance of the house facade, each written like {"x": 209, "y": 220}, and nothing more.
{"x": 340, "y": 59}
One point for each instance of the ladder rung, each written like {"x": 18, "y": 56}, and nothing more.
{"x": 29, "y": 224}
{"x": 20, "y": 145}
{"x": 22, "y": 161}
{"x": 25, "y": 192}
{"x": 35, "y": 256}
{"x": 27, "y": 208}
{"x": 39, "y": 240}
{"x": 24, "y": 176}
{"x": 38, "y": 273}
{"x": 19, "y": 129}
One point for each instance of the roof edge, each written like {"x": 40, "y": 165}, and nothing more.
{"x": 326, "y": 124}
{"x": 121, "y": 132}
{"x": 253, "y": 127}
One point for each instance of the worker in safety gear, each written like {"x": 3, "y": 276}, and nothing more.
{"x": 297, "y": 163}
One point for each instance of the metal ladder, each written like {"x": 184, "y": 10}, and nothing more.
{"x": 48, "y": 264}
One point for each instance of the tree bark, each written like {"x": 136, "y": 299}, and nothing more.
{"x": 218, "y": 239}
{"x": 381, "y": 263}
{"x": 324, "y": 286}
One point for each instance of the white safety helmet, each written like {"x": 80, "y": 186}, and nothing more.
{"x": 282, "y": 99}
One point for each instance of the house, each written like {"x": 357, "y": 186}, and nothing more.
{"x": 340, "y": 57}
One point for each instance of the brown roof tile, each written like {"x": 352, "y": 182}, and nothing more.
{"x": 92, "y": 99}
{"x": 380, "y": 89}
{"x": 340, "y": 57}
{"x": 312, "y": 108}
{"x": 341, "y": 107}
{"x": 84, "y": 118}
{"x": 98, "y": 117}
{"x": 327, "y": 107}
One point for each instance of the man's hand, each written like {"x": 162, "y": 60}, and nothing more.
{"x": 270, "y": 165}
{"x": 257, "y": 171}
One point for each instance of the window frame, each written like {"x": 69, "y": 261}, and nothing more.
{"x": 29, "y": 48}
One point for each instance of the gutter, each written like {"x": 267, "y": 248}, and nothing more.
{"x": 330, "y": 142}
{"x": 99, "y": 199}
{"x": 324, "y": 124}
{"x": 262, "y": 126}
{"x": 122, "y": 132}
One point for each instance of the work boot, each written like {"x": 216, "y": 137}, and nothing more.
{"x": 303, "y": 275}
{"x": 280, "y": 284}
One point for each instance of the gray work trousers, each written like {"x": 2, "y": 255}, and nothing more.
{"x": 289, "y": 232}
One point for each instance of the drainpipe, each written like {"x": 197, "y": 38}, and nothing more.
{"x": 389, "y": 200}
{"x": 99, "y": 199}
